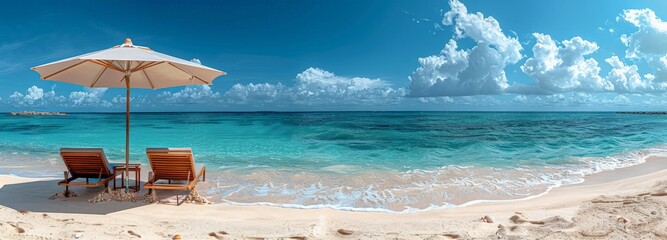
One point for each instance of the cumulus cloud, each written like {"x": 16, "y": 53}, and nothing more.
{"x": 35, "y": 96}
{"x": 258, "y": 93}
{"x": 89, "y": 97}
{"x": 651, "y": 38}
{"x": 654, "y": 102}
{"x": 190, "y": 94}
{"x": 626, "y": 79}
{"x": 38, "y": 97}
{"x": 649, "y": 42}
{"x": 520, "y": 99}
{"x": 621, "y": 100}
{"x": 570, "y": 99}
{"x": 316, "y": 86}
{"x": 436, "y": 99}
{"x": 476, "y": 71}
{"x": 564, "y": 68}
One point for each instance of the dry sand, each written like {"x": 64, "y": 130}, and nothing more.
{"x": 627, "y": 203}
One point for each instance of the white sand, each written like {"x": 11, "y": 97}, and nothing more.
{"x": 570, "y": 212}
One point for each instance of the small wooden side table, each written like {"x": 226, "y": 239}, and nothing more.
{"x": 132, "y": 167}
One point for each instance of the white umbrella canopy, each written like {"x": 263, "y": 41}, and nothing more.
{"x": 128, "y": 66}
{"x": 146, "y": 69}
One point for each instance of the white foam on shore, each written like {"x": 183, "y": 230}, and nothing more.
{"x": 374, "y": 195}
{"x": 567, "y": 174}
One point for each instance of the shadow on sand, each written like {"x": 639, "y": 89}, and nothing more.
{"x": 34, "y": 196}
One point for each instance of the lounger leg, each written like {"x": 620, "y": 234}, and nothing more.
{"x": 66, "y": 186}
{"x": 153, "y": 194}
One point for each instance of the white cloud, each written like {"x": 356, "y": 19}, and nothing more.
{"x": 196, "y": 60}
{"x": 318, "y": 85}
{"x": 315, "y": 86}
{"x": 621, "y": 100}
{"x": 571, "y": 99}
{"x": 258, "y": 93}
{"x": 35, "y": 96}
{"x": 482, "y": 30}
{"x": 626, "y": 79}
{"x": 583, "y": 98}
{"x": 315, "y": 80}
{"x": 649, "y": 42}
{"x": 520, "y": 99}
{"x": 190, "y": 94}
{"x": 89, "y": 97}
{"x": 564, "y": 68}
{"x": 477, "y": 101}
{"x": 651, "y": 38}
{"x": 436, "y": 100}
{"x": 654, "y": 102}
{"x": 475, "y": 71}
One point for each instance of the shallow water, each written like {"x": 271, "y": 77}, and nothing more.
{"x": 398, "y": 161}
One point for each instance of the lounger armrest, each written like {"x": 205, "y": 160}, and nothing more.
{"x": 202, "y": 172}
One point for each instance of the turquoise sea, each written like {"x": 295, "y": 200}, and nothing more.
{"x": 377, "y": 161}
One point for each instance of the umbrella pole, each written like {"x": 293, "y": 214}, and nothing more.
{"x": 127, "y": 134}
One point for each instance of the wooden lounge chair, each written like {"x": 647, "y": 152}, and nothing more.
{"x": 88, "y": 163}
{"x": 173, "y": 164}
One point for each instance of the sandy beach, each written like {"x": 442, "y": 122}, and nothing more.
{"x": 625, "y": 203}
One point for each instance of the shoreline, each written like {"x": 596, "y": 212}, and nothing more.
{"x": 643, "y": 164}
{"x": 41, "y": 216}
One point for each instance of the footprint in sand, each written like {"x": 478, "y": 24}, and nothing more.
{"x": 345, "y": 232}
{"x": 596, "y": 234}
{"x": 133, "y": 233}
{"x": 556, "y": 222}
{"x": 219, "y": 235}
{"x": 451, "y": 235}
{"x": 17, "y": 228}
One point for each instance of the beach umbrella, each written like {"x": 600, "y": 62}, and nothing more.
{"x": 127, "y": 66}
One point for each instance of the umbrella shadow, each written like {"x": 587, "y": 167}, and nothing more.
{"x": 34, "y": 196}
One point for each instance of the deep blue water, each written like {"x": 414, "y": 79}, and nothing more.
{"x": 384, "y": 160}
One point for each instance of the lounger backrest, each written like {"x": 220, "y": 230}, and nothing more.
{"x": 85, "y": 162}
{"x": 171, "y": 163}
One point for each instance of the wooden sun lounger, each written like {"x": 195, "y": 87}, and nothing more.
{"x": 173, "y": 164}
{"x": 85, "y": 163}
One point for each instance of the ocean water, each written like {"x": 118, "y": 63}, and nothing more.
{"x": 374, "y": 161}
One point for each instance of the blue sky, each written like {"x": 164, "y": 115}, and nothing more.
{"x": 353, "y": 55}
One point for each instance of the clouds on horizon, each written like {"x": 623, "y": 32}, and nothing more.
{"x": 313, "y": 86}
{"x": 562, "y": 72}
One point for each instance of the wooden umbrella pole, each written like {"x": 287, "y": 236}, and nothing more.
{"x": 127, "y": 134}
